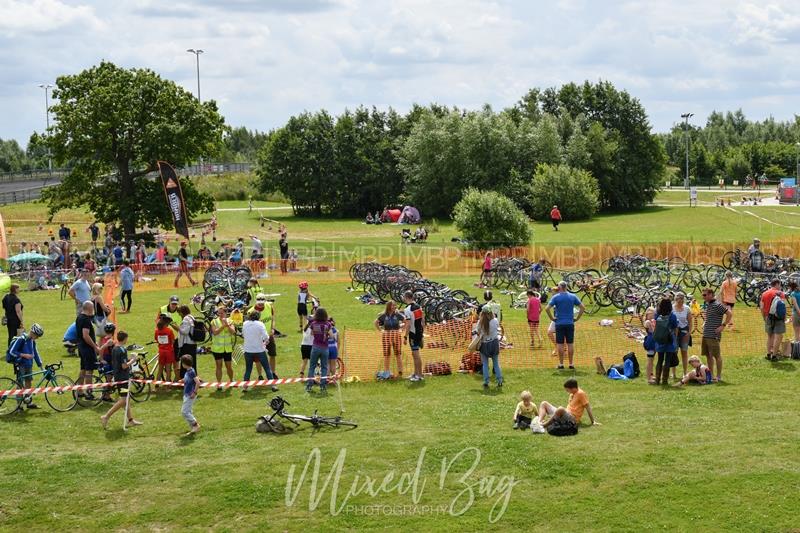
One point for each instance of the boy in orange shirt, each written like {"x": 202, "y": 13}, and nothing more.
{"x": 165, "y": 338}
{"x": 565, "y": 421}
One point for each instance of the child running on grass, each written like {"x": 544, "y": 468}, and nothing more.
{"x": 534, "y": 308}
{"x": 525, "y": 411}
{"x": 121, "y": 365}
{"x": 165, "y": 338}
{"x": 190, "y": 384}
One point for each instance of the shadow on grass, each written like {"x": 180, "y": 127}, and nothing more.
{"x": 783, "y": 365}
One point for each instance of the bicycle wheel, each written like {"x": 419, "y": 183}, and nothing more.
{"x": 335, "y": 421}
{"x": 140, "y": 392}
{"x": 96, "y": 397}
{"x": 590, "y": 303}
{"x": 9, "y": 404}
{"x": 62, "y": 401}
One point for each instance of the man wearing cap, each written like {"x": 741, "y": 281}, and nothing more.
{"x": 267, "y": 315}
{"x": 183, "y": 265}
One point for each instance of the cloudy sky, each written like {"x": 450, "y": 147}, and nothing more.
{"x": 265, "y": 60}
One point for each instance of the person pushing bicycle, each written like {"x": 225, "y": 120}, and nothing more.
{"x": 23, "y": 353}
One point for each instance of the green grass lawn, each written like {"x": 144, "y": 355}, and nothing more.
{"x": 704, "y": 458}
{"x": 701, "y": 458}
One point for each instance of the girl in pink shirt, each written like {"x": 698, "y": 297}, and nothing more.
{"x": 534, "y": 307}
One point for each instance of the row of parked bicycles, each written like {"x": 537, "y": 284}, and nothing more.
{"x": 385, "y": 282}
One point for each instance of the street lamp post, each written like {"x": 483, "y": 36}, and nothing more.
{"x": 47, "y": 87}
{"x": 197, "y": 61}
{"x": 685, "y": 118}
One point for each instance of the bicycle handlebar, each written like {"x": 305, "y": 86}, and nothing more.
{"x": 55, "y": 366}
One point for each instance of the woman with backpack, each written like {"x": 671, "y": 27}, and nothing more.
{"x": 665, "y": 336}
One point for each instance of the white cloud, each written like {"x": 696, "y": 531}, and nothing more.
{"x": 268, "y": 59}
{"x": 42, "y": 16}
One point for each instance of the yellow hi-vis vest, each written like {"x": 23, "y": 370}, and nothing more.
{"x": 222, "y": 342}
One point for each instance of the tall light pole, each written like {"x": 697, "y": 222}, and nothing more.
{"x": 685, "y": 118}
{"x": 47, "y": 87}
{"x": 197, "y": 62}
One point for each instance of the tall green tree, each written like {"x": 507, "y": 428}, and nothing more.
{"x": 113, "y": 125}
{"x": 12, "y": 157}
{"x": 638, "y": 169}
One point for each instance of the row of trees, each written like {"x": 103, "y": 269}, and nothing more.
{"x": 365, "y": 159}
{"x": 731, "y": 147}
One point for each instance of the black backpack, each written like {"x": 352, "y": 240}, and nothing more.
{"x": 662, "y": 333}
{"x": 199, "y": 331}
{"x": 632, "y": 357}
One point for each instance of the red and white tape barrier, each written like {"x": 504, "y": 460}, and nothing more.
{"x": 205, "y": 385}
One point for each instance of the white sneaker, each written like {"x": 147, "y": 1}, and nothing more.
{"x": 413, "y": 378}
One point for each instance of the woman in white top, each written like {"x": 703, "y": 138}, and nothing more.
{"x": 685, "y": 318}
{"x": 255, "y": 336}
{"x": 488, "y": 329}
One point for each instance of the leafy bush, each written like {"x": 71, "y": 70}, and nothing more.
{"x": 574, "y": 191}
{"x": 487, "y": 219}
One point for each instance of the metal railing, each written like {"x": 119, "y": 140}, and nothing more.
{"x": 22, "y": 195}
{"x": 189, "y": 170}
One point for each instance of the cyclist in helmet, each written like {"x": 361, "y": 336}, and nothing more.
{"x": 303, "y": 298}
{"x": 23, "y": 352}
{"x": 106, "y": 345}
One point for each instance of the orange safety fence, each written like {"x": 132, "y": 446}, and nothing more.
{"x": 363, "y": 350}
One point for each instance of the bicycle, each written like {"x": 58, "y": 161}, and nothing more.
{"x": 61, "y": 401}
{"x": 278, "y": 404}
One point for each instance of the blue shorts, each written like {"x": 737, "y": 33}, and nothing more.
{"x": 333, "y": 353}
{"x": 565, "y": 333}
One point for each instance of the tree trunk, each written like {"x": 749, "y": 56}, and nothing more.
{"x": 127, "y": 203}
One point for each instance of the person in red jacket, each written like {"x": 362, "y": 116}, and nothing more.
{"x": 555, "y": 217}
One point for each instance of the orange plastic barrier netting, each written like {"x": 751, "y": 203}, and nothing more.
{"x": 363, "y": 350}
{"x": 109, "y": 290}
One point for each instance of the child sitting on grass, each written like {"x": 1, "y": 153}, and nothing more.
{"x": 698, "y": 375}
{"x": 525, "y": 411}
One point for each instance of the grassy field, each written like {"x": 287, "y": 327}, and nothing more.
{"x": 718, "y": 458}
{"x": 660, "y": 455}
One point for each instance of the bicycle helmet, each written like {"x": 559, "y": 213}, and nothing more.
{"x": 37, "y": 330}
{"x": 110, "y": 327}
{"x": 261, "y": 297}
{"x": 238, "y": 304}
{"x": 303, "y": 285}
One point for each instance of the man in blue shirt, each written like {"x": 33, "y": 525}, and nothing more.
{"x": 564, "y": 304}
{"x": 23, "y": 351}
{"x": 81, "y": 290}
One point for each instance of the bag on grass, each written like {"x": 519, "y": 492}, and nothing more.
{"x": 630, "y": 356}
{"x": 439, "y": 368}
{"x": 795, "y": 350}
{"x": 471, "y": 362}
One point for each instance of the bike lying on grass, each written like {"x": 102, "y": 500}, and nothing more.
{"x": 271, "y": 424}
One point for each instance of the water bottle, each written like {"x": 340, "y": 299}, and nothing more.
{"x": 708, "y": 377}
